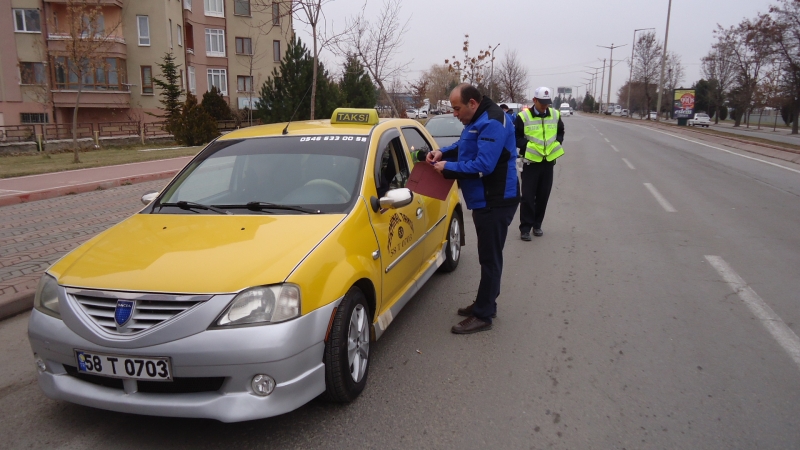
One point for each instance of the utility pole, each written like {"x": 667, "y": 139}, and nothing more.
{"x": 630, "y": 77}
{"x": 491, "y": 73}
{"x": 663, "y": 64}
{"x": 610, "y": 66}
{"x": 600, "y": 103}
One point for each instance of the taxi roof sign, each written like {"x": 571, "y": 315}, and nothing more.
{"x": 357, "y": 116}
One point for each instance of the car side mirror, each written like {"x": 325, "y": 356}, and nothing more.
{"x": 396, "y": 198}
{"x": 149, "y": 197}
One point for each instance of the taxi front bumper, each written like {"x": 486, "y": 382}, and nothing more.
{"x": 233, "y": 356}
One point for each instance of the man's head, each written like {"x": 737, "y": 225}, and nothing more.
{"x": 465, "y": 99}
{"x": 504, "y": 107}
{"x": 542, "y": 98}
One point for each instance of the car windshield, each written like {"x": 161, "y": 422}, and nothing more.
{"x": 315, "y": 173}
{"x": 703, "y": 116}
{"x": 444, "y": 126}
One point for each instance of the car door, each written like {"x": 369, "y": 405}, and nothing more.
{"x": 435, "y": 210}
{"x": 398, "y": 229}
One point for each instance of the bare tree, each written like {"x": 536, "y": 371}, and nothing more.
{"x": 376, "y": 45}
{"x": 782, "y": 30}
{"x": 440, "y": 82}
{"x": 471, "y": 69}
{"x": 675, "y": 72}
{"x": 749, "y": 52}
{"x": 513, "y": 78}
{"x": 87, "y": 39}
{"x": 646, "y": 64}
{"x": 419, "y": 90}
{"x": 718, "y": 69}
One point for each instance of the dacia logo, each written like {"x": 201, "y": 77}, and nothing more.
{"x": 123, "y": 312}
{"x": 352, "y": 117}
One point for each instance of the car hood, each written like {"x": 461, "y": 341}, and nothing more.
{"x": 194, "y": 254}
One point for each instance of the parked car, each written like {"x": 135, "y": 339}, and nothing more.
{"x": 412, "y": 113}
{"x": 445, "y": 129}
{"x": 653, "y": 115}
{"x": 624, "y": 113}
{"x": 255, "y": 281}
{"x": 700, "y": 119}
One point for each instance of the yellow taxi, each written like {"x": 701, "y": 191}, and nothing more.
{"x": 255, "y": 281}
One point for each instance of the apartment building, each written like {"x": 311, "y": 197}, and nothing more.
{"x": 231, "y": 44}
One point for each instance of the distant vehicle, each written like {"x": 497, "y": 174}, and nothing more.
{"x": 653, "y": 115}
{"x": 701, "y": 119}
{"x": 445, "y": 129}
{"x": 624, "y": 113}
{"x": 565, "y": 110}
{"x": 514, "y": 108}
{"x": 613, "y": 110}
{"x": 412, "y": 113}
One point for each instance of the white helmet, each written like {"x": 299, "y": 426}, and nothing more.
{"x": 543, "y": 94}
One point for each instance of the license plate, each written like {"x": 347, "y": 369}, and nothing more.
{"x": 128, "y": 367}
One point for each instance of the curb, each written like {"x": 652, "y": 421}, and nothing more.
{"x": 17, "y": 304}
{"x": 82, "y": 188}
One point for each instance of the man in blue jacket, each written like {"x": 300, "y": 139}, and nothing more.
{"x": 484, "y": 163}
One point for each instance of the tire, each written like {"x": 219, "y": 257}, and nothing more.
{"x": 351, "y": 324}
{"x": 452, "y": 250}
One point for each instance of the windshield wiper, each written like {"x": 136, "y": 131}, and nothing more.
{"x": 260, "y": 206}
{"x": 192, "y": 205}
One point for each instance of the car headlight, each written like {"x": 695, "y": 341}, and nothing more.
{"x": 46, "y": 298}
{"x": 261, "y": 305}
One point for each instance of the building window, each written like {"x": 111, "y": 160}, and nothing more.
{"x": 218, "y": 78}
{"x": 147, "y": 80}
{"x": 170, "y": 34}
{"x": 190, "y": 37}
{"x": 144, "y": 30}
{"x": 27, "y": 21}
{"x": 214, "y": 8}
{"x": 187, "y": 4}
{"x": 241, "y": 7}
{"x": 244, "y": 84}
{"x": 192, "y": 81}
{"x": 215, "y": 42}
{"x": 180, "y": 36}
{"x": 33, "y": 118}
{"x": 276, "y": 14}
{"x": 276, "y": 51}
{"x": 180, "y": 79}
{"x": 32, "y": 73}
{"x": 108, "y": 76}
{"x": 244, "y": 46}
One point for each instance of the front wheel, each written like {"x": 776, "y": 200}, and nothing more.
{"x": 452, "y": 250}
{"x": 346, "y": 355}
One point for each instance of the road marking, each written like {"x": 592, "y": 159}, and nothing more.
{"x": 664, "y": 203}
{"x": 607, "y": 140}
{"x": 612, "y": 146}
{"x": 771, "y": 321}
{"x": 601, "y": 134}
{"x": 629, "y": 164}
{"x": 722, "y": 149}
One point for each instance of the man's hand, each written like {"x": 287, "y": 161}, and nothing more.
{"x": 434, "y": 156}
{"x": 439, "y": 166}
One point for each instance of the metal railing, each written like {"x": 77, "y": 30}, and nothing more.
{"x": 155, "y": 129}
{"x": 113, "y": 129}
{"x": 58, "y": 131}
{"x": 18, "y": 133}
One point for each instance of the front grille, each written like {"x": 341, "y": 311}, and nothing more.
{"x": 176, "y": 386}
{"x": 146, "y": 313}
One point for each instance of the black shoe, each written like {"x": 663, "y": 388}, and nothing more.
{"x": 538, "y": 232}
{"x": 467, "y": 312}
{"x": 471, "y": 325}
{"x": 525, "y": 235}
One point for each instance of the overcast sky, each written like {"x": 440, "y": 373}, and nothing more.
{"x": 436, "y": 31}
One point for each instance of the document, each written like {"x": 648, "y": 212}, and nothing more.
{"x": 425, "y": 180}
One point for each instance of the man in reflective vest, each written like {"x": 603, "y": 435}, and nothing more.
{"x": 539, "y": 133}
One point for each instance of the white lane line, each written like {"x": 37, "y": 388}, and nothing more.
{"x": 612, "y": 146}
{"x": 630, "y": 166}
{"x": 664, "y": 203}
{"x": 722, "y": 149}
{"x": 771, "y": 321}
{"x": 607, "y": 140}
{"x": 601, "y": 134}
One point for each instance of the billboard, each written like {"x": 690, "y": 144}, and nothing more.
{"x": 564, "y": 91}
{"x": 683, "y": 104}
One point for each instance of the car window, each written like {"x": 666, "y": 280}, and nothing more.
{"x": 391, "y": 167}
{"x": 321, "y": 172}
{"x": 444, "y": 126}
{"x": 416, "y": 140}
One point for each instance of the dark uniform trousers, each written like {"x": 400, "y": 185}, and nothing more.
{"x": 491, "y": 228}
{"x": 537, "y": 181}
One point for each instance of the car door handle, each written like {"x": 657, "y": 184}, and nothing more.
{"x": 376, "y": 254}
{"x": 419, "y": 213}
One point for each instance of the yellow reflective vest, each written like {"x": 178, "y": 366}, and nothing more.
{"x": 541, "y": 134}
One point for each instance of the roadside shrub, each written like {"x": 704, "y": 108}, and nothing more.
{"x": 195, "y": 125}
{"x": 215, "y": 105}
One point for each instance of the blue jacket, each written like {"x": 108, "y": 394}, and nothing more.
{"x": 484, "y": 159}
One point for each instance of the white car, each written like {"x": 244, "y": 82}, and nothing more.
{"x": 412, "y": 113}
{"x": 653, "y": 115}
{"x": 701, "y": 119}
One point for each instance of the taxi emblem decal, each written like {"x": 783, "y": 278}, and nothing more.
{"x": 123, "y": 312}
{"x": 403, "y": 227}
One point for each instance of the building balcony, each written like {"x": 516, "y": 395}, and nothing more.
{"x": 93, "y": 2}
{"x": 113, "y": 45}
{"x": 92, "y": 99}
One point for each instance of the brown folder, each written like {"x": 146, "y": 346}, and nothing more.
{"x": 425, "y": 180}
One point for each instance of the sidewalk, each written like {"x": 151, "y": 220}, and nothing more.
{"x": 49, "y": 185}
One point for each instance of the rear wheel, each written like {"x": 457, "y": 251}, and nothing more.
{"x": 346, "y": 355}
{"x": 452, "y": 250}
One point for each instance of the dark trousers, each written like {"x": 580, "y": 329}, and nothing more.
{"x": 537, "y": 181}
{"x": 491, "y": 227}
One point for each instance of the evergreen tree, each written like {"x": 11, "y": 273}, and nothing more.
{"x": 357, "y": 88}
{"x": 170, "y": 91}
{"x": 195, "y": 126}
{"x": 215, "y": 105}
{"x": 288, "y": 88}
{"x": 702, "y": 99}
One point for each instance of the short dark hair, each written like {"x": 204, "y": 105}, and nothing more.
{"x": 469, "y": 92}
{"x": 503, "y": 106}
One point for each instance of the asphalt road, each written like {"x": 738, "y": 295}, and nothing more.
{"x": 659, "y": 310}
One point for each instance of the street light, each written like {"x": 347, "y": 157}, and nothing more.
{"x": 491, "y": 73}
{"x": 611, "y": 66}
{"x": 630, "y": 77}
{"x": 663, "y": 64}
